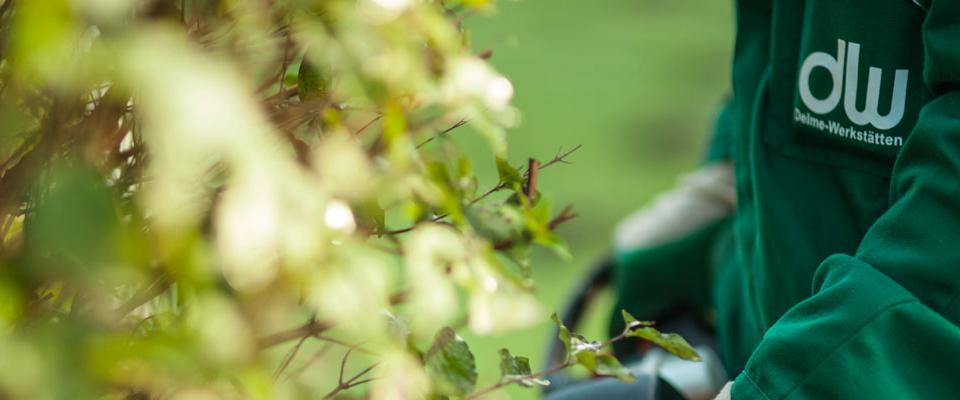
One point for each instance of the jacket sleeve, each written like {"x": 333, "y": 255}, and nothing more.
{"x": 884, "y": 323}
{"x": 663, "y": 252}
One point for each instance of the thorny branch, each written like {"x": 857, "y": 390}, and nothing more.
{"x": 353, "y": 381}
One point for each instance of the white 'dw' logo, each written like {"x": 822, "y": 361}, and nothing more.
{"x": 849, "y": 83}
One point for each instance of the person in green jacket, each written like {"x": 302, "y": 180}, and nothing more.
{"x": 823, "y": 232}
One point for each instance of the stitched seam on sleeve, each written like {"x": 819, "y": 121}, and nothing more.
{"x": 843, "y": 343}
{"x": 755, "y": 386}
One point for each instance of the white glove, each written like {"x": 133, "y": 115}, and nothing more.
{"x": 701, "y": 197}
{"x": 724, "y": 393}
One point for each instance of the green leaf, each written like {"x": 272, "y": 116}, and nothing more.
{"x": 579, "y": 344}
{"x": 587, "y": 354}
{"x": 513, "y": 366}
{"x": 588, "y": 359}
{"x": 519, "y": 253}
{"x": 371, "y": 215}
{"x": 631, "y": 322}
{"x": 555, "y": 244}
{"x": 508, "y": 174}
{"x": 563, "y": 333}
{"x": 608, "y": 365}
{"x": 671, "y": 342}
{"x": 542, "y": 211}
{"x": 489, "y": 223}
{"x": 312, "y": 83}
{"x": 73, "y": 229}
{"x": 440, "y": 174}
{"x": 518, "y": 368}
{"x": 450, "y": 364}
{"x": 464, "y": 167}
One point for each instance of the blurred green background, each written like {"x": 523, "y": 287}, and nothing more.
{"x": 637, "y": 83}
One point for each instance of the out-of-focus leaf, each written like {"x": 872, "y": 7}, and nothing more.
{"x": 489, "y": 223}
{"x": 74, "y": 225}
{"x": 440, "y": 173}
{"x": 554, "y": 243}
{"x": 474, "y": 3}
{"x": 508, "y": 174}
{"x": 312, "y": 83}
{"x": 519, "y": 253}
{"x": 502, "y": 309}
{"x": 518, "y": 367}
{"x": 450, "y": 364}
{"x": 671, "y": 342}
{"x": 464, "y": 168}
{"x": 371, "y": 216}
{"x": 542, "y": 211}
{"x": 536, "y": 220}
{"x": 563, "y": 333}
{"x": 394, "y": 122}
{"x": 608, "y": 365}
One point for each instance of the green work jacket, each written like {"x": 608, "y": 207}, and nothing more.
{"x": 839, "y": 274}
{"x": 844, "y": 268}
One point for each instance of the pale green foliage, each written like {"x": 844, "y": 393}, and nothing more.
{"x": 192, "y": 193}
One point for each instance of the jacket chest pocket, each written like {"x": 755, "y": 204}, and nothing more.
{"x": 857, "y": 85}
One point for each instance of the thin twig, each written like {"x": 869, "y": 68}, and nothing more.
{"x": 289, "y": 357}
{"x": 564, "y": 216}
{"x": 353, "y": 381}
{"x": 367, "y": 125}
{"x": 311, "y": 328}
{"x": 316, "y": 356}
{"x": 436, "y": 219}
{"x": 154, "y": 289}
{"x": 518, "y": 379}
{"x": 460, "y": 123}
{"x": 287, "y": 43}
{"x": 329, "y": 339}
{"x": 286, "y": 94}
{"x": 561, "y": 157}
{"x": 343, "y": 363}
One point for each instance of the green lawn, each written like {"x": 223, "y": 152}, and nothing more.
{"x": 636, "y": 83}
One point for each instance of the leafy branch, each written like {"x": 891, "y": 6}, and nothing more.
{"x": 529, "y": 181}
{"x": 579, "y": 351}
